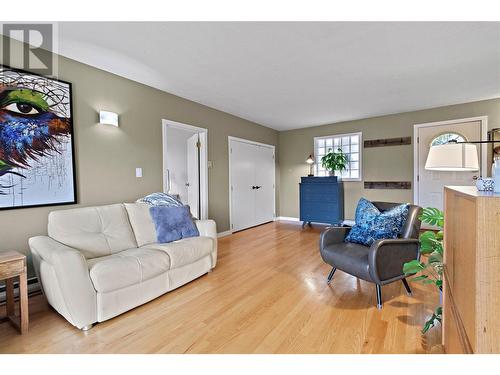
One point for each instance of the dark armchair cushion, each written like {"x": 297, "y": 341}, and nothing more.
{"x": 372, "y": 224}
{"x": 348, "y": 257}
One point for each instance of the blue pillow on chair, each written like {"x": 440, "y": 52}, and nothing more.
{"x": 173, "y": 223}
{"x": 372, "y": 225}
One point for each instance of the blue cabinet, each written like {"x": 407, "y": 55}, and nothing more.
{"x": 321, "y": 200}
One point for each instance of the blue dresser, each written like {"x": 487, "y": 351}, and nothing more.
{"x": 321, "y": 200}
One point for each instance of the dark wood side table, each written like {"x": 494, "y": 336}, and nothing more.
{"x": 12, "y": 265}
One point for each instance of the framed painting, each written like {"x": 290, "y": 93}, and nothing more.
{"x": 37, "y": 166}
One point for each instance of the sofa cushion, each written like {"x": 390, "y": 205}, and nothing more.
{"x": 95, "y": 231}
{"x": 185, "y": 251}
{"x": 141, "y": 222}
{"x": 127, "y": 268}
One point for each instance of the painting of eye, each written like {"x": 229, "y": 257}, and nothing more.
{"x": 24, "y": 108}
{"x": 36, "y": 140}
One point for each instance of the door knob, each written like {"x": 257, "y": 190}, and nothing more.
{"x": 258, "y": 187}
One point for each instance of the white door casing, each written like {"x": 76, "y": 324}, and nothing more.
{"x": 251, "y": 183}
{"x": 169, "y": 164}
{"x": 429, "y": 185}
{"x": 193, "y": 174}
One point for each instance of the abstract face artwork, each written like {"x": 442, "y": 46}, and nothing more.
{"x": 36, "y": 140}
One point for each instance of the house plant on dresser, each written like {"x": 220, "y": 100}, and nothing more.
{"x": 322, "y": 198}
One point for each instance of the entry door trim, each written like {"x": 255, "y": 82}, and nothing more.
{"x": 483, "y": 148}
{"x": 203, "y": 160}
{"x": 231, "y": 138}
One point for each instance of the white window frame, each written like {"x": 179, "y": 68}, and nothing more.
{"x": 360, "y": 161}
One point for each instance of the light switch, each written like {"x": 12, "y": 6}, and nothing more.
{"x": 138, "y": 172}
{"x": 210, "y": 164}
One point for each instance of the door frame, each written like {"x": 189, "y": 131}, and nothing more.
{"x": 165, "y": 124}
{"x": 482, "y": 149}
{"x": 229, "y": 151}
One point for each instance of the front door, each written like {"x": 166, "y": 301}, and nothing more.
{"x": 430, "y": 184}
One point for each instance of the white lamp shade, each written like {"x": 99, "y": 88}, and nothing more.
{"x": 453, "y": 157}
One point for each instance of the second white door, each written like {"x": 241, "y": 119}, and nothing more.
{"x": 252, "y": 172}
{"x": 193, "y": 174}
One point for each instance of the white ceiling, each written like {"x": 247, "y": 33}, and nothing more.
{"x": 288, "y": 75}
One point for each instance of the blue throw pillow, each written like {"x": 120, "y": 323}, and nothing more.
{"x": 372, "y": 225}
{"x": 173, "y": 223}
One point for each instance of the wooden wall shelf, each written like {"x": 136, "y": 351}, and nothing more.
{"x": 400, "y": 185}
{"x": 388, "y": 142}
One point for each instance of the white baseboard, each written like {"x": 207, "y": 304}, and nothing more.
{"x": 286, "y": 218}
{"x": 289, "y": 218}
{"x": 224, "y": 234}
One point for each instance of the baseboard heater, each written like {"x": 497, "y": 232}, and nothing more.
{"x": 33, "y": 289}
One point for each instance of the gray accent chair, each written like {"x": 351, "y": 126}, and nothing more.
{"x": 382, "y": 262}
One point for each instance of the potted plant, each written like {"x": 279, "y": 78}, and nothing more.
{"x": 334, "y": 161}
{"x": 431, "y": 268}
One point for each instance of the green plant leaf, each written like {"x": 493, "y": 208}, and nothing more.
{"x": 432, "y": 216}
{"x": 413, "y": 267}
{"x": 429, "y": 281}
{"x": 435, "y": 257}
{"x": 420, "y": 278}
{"x": 433, "y": 320}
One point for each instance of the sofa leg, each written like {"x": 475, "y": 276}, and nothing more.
{"x": 330, "y": 275}
{"x": 379, "y": 296}
{"x": 407, "y": 287}
{"x": 87, "y": 327}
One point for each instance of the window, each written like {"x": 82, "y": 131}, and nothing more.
{"x": 350, "y": 144}
{"x": 447, "y": 137}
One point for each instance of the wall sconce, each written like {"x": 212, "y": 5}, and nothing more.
{"x": 108, "y": 118}
{"x": 310, "y": 161}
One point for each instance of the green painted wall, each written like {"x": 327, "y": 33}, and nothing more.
{"x": 379, "y": 164}
{"x": 106, "y": 157}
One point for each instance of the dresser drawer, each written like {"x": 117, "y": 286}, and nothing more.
{"x": 319, "y": 193}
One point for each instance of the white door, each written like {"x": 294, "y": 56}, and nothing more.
{"x": 431, "y": 184}
{"x": 252, "y": 184}
{"x": 193, "y": 175}
{"x": 264, "y": 183}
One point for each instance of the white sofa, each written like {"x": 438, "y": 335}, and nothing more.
{"x": 99, "y": 262}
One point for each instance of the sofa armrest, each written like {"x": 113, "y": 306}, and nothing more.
{"x": 333, "y": 235}
{"x": 387, "y": 257}
{"x": 71, "y": 291}
{"x": 208, "y": 228}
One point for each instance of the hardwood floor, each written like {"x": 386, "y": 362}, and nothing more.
{"x": 268, "y": 294}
